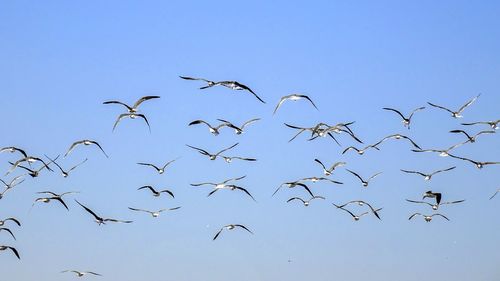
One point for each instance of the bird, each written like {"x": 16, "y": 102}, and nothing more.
{"x": 431, "y": 194}
{"x": 406, "y": 121}
{"x": 212, "y": 156}
{"x": 364, "y": 182}
{"x": 471, "y": 139}
{"x": 442, "y": 152}
{"x": 294, "y": 184}
{"x": 29, "y": 160}
{"x": 224, "y": 185}
{"x": 456, "y": 114}
{"x": 100, "y": 220}
{"x": 3, "y": 248}
{"x": 13, "y": 149}
{"x": 428, "y": 176}
{"x": 293, "y": 97}
{"x": 11, "y": 184}
{"x": 361, "y": 203}
{"x": 478, "y": 164}
{"x": 230, "y": 159}
{"x": 212, "y": 129}
{"x": 85, "y": 142}
{"x": 231, "y": 187}
{"x": 155, "y": 214}
{"x": 427, "y": 218}
{"x": 65, "y": 173}
{"x": 355, "y": 217}
{"x": 54, "y": 196}
{"x": 435, "y": 206}
{"x": 239, "y": 129}
{"x": 493, "y": 124}
{"x": 360, "y": 151}
{"x": 305, "y": 202}
{"x": 132, "y": 109}
{"x": 397, "y": 137}
{"x": 8, "y": 230}
{"x": 157, "y": 193}
{"x": 233, "y": 85}
{"x": 494, "y": 194}
{"x": 231, "y": 227}
{"x": 31, "y": 172}
{"x": 329, "y": 171}
{"x": 131, "y": 116}
{"x": 81, "y": 273}
{"x": 316, "y": 179}
{"x": 2, "y": 222}
{"x": 160, "y": 170}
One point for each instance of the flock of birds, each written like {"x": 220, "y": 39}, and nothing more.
{"x": 33, "y": 166}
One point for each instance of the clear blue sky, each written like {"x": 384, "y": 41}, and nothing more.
{"x": 61, "y": 59}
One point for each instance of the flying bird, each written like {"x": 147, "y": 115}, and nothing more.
{"x": 100, "y": 220}
{"x": 364, "y": 182}
{"x": 305, "y": 202}
{"x": 3, "y": 248}
{"x": 11, "y": 184}
{"x": 86, "y": 143}
{"x": 65, "y": 173}
{"x": 316, "y": 179}
{"x": 427, "y": 218}
{"x": 478, "y": 164}
{"x": 155, "y": 214}
{"x": 233, "y": 85}
{"x": 157, "y": 193}
{"x": 214, "y": 130}
{"x": 294, "y": 184}
{"x": 160, "y": 170}
{"x": 356, "y": 217}
{"x": 397, "y": 137}
{"x": 29, "y": 160}
{"x": 131, "y": 116}
{"x": 2, "y": 222}
{"x": 132, "y": 109}
{"x": 329, "y": 171}
{"x": 442, "y": 152}
{"x": 360, "y": 151}
{"x": 428, "y": 176}
{"x": 493, "y": 124}
{"x": 435, "y": 206}
{"x": 210, "y": 155}
{"x": 406, "y": 120}
{"x": 231, "y": 227}
{"x": 239, "y": 129}
{"x": 231, "y": 187}
{"x": 53, "y": 196}
{"x": 293, "y": 97}
{"x": 471, "y": 139}
{"x": 361, "y": 203}
{"x": 81, "y": 273}
{"x": 31, "y": 172}
{"x": 456, "y": 114}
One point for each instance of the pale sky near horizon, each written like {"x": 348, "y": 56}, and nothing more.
{"x": 60, "y": 60}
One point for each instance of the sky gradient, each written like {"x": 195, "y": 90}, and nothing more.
{"x": 60, "y": 60}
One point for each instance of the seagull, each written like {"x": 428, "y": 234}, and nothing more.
{"x": 478, "y": 164}
{"x": 397, "y": 137}
{"x": 232, "y": 187}
{"x": 31, "y": 172}
{"x": 442, "y": 152}
{"x": 13, "y": 149}
{"x": 229, "y": 159}
{"x": 492, "y": 124}
{"x": 426, "y": 217}
{"x": 81, "y": 273}
{"x": 435, "y": 206}
{"x": 470, "y": 138}
{"x": 212, "y": 156}
{"x": 29, "y": 159}
{"x": 157, "y": 193}
{"x": 132, "y": 109}
{"x": 430, "y": 194}
{"x": 305, "y": 202}
{"x": 155, "y": 214}
{"x": 3, "y": 248}
{"x": 131, "y": 116}
{"x": 355, "y": 217}
{"x": 11, "y": 184}
{"x": 239, "y": 130}
{"x": 212, "y": 129}
{"x": 360, "y": 151}
{"x": 8, "y": 230}
{"x": 293, "y": 97}
{"x": 406, "y": 121}
{"x": 361, "y": 203}
{"x": 456, "y": 114}
{"x": 65, "y": 173}
{"x": 315, "y": 179}
{"x": 85, "y": 142}
{"x": 2, "y": 222}
{"x": 231, "y": 227}
{"x": 99, "y": 220}
{"x": 364, "y": 182}
{"x": 429, "y": 176}
{"x": 220, "y": 184}
{"x": 494, "y": 194}
{"x": 54, "y": 196}
{"x": 158, "y": 169}
{"x": 294, "y": 184}
{"x": 328, "y": 172}
{"x": 233, "y": 85}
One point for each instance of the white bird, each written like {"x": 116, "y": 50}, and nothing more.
{"x": 360, "y": 151}
{"x": 428, "y": 176}
{"x": 293, "y": 97}
{"x": 131, "y": 116}
{"x": 361, "y": 203}
{"x": 132, "y": 109}
{"x": 86, "y": 143}
{"x": 100, "y": 220}
{"x": 329, "y": 171}
{"x": 406, "y": 120}
{"x": 214, "y": 130}
{"x": 435, "y": 206}
{"x": 478, "y": 164}
{"x": 210, "y": 155}
{"x": 11, "y": 184}
{"x": 231, "y": 227}
{"x": 355, "y": 217}
{"x": 397, "y": 137}
{"x": 233, "y": 85}
{"x": 160, "y": 170}
{"x": 427, "y": 218}
{"x": 232, "y": 187}
{"x": 65, "y": 173}
{"x": 29, "y": 160}
{"x": 305, "y": 202}
{"x": 292, "y": 185}
{"x": 493, "y": 124}
{"x": 442, "y": 152}
{"x": 157, "y": 193}
{"x": 53, "y": 196}
{"x": 81, "y": 273}
{"x": 239, "y": 130}
{"x": 364, "y": 182}
{"x": 457, "y": 114}
{"x": 155, "y": 214}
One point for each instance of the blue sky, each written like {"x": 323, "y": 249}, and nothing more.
{"x": 61, "y": 60}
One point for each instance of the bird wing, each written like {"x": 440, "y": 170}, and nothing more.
{"x": 295, "y": 198}
{"x": 244, "y": 227}
{"x": 249, "y": 122}
{"x": 419, "y": 202}
{"x": 143, "y": 99}
{"x": 196, "y": 122}
{"x": 468, "y": 103}
{"x": 98, "y": 145}
{"x": 394, "y": 110}
{"x": 416, "y": 214}
{"x": 148, "y": 187}
{"x": 148, "y": 164}
{"x": 444, "y": 170}
{"x": 413, "y": 172}
{"x": 494, "y": 194}
{"x": 8, "y": 230}
{"x": 120, "y": 117}
{"x": 250, "y": 90}
{"x": 282, "y": 100}
{"x": 14, "y": 220}
{"x": 73, "y": 147}
{"x": 358, "y": 176}
{"x": 217, "y": 234}
{"x": 168, "y": 192}
{"x": 93, "y": 273}
{"x": 310, "y": 100}
{"x": 15, "y": 252}
{"x": 139, "y": 210}
{"x": 194, "y": 79}
{"x": 74, "y": 167}
{"x": 452, "y": 202}
{"x": 375, "y": 175}
{"x": 226, "y": 149}
{"x": 437, "y": 214}
{"x": 415, "y": 110}
{"x": 316, "y": 160}
{"x": 60, "y": 201}
{"x": 118, "y": 221}
{"x": 145, "y": 120}
{"x": 118, "y": 102}
{"x": 89, "y": 210}
{"x": 438, "y": 106}
{"x": 202, "y": 151}
{"x": 244, "y": 190}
